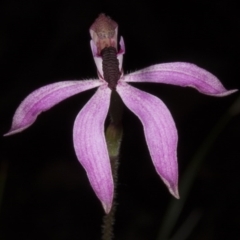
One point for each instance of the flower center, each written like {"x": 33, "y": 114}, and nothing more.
{"x": 110, "y": 66}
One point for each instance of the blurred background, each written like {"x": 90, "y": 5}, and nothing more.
{"x": 44, "y": 191}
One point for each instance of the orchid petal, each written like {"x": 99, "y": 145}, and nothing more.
{"x": 181, "y": 74}
{"x": 160, "y": 132}
{"x": 90, "y": 145}
{"x": 120, "y": 54}
{"x": 97, "y": 59}
{"x": 122, "y": 46}
{"x": 44, "y": 98}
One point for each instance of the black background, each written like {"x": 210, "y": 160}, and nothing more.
{"x": 47, "y": 194}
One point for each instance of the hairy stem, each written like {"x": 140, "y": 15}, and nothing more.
{"x": 109, "y": 219}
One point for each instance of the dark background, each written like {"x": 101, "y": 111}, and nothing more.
{"x": 47, "y": 194}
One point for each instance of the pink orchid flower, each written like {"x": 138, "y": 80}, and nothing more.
{"x": 88, "y": 131}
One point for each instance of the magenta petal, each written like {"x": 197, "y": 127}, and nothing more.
{"x": 160, "y": 132}
{"x": 181, "y": 74}
{"x": 90, "y": 145}
{"x": 44, "y": 98}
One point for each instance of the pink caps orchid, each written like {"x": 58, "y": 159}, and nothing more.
{"x": 88, "y": 131}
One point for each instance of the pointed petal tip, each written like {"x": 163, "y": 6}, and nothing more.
{"x": 174, "y": 192}
{"x": 107, "y": 207}
{"x": 224, "y": 93}
{"x": 13, "y": 131}
{"x": 172, "y": 188}
{"x": 233, "y": 91}
{"x": 8, "y": 134}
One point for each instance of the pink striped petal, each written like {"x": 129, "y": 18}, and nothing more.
{"x": 181, "y": 74}
{"x": 160, "y": 132}
{"x": 90, "y": 145}
{"x": 44, "y": 98}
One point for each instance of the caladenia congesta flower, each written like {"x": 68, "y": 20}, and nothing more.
{"x": 88, "y": 131}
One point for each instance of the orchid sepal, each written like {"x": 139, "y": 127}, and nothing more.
{"x": 45, "y": 98}
{"x": 159, "y": 130}
{"x": 90, "y": 145}
{"x": 181, "y": 74}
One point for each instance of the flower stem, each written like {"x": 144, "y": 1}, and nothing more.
{"x": 108, "y": 219}
{"x": 113, "y": 138}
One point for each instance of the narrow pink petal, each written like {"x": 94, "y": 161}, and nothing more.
{"x": 90, "y": 145}
{"x": 160, "y": 132}
{"x": 181, "y": 74}
{"x": 44, "y": 98}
